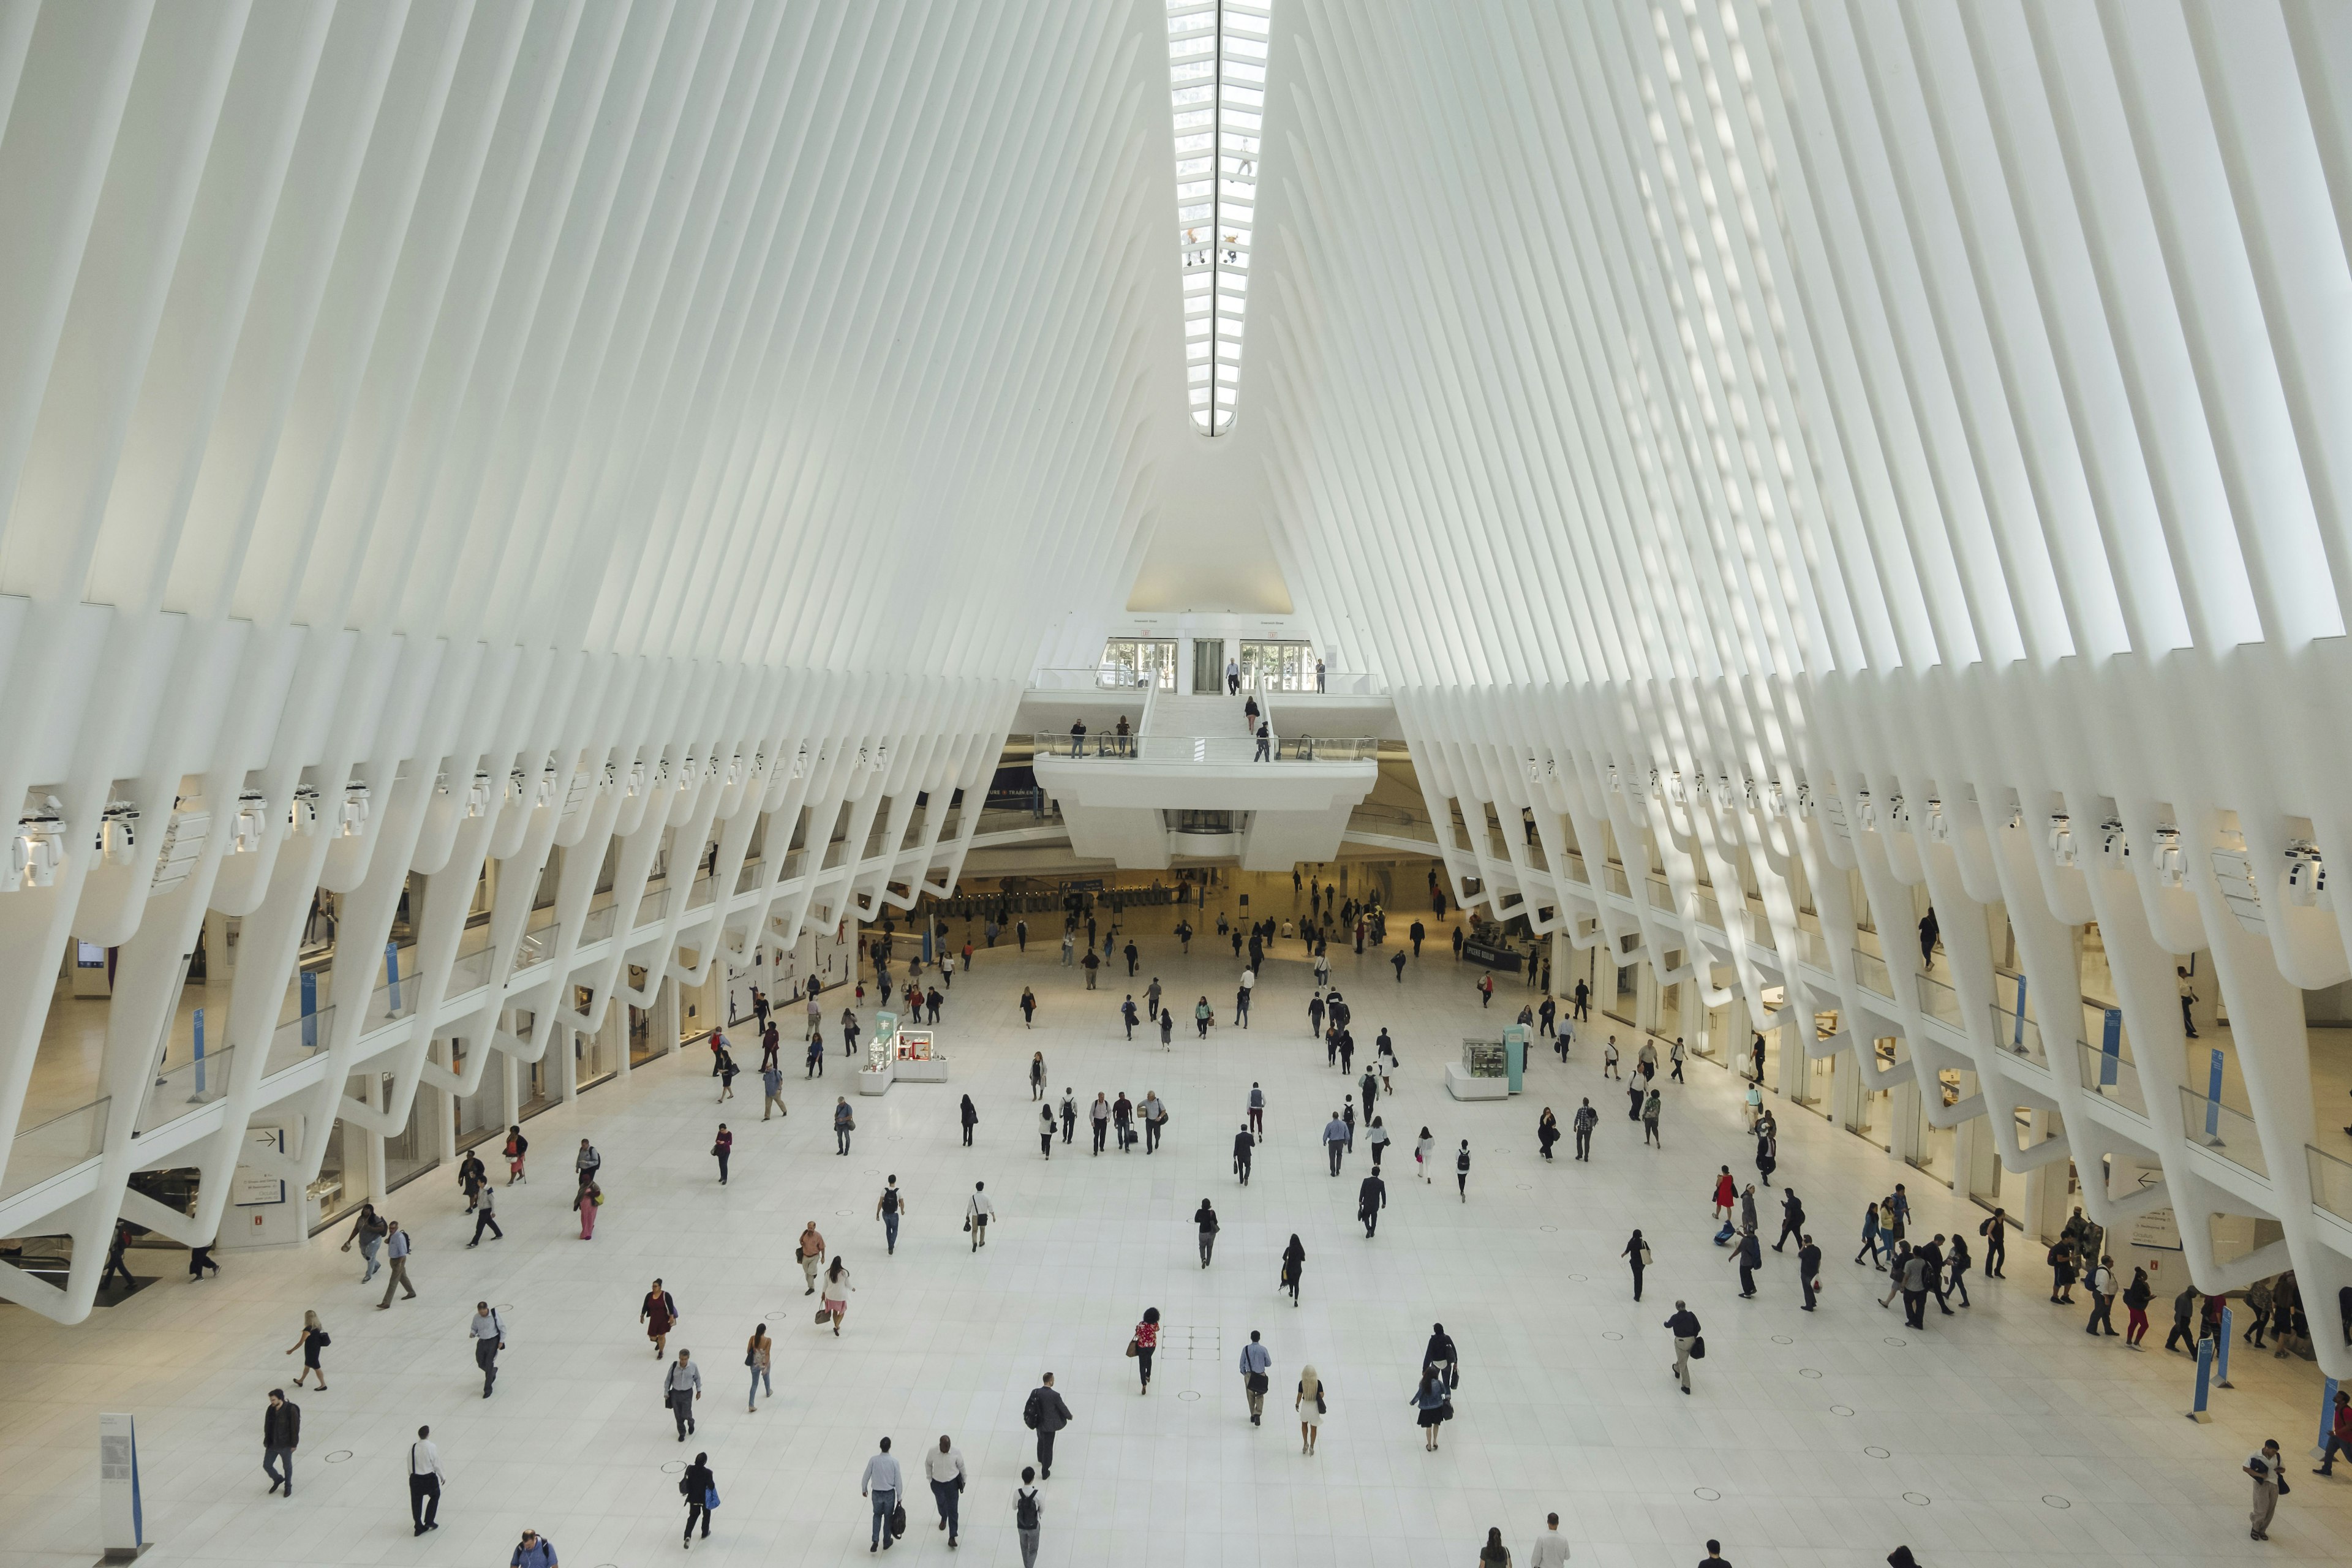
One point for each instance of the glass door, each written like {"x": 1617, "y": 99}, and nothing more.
{"x": 1208, "y": 665}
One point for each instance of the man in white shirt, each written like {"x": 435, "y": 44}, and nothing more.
{"x": 423, "y": 1481}
{"x": 1256, "y": 1362}
{"x": 1551, "y": 1546}
{"x": 944, "y": 1468}
{"x": 1336, "y": 1134}
{"x": 978, "y": 1212}
{"x": 489, "y": 1338}
{"x": 881, "y": 1483}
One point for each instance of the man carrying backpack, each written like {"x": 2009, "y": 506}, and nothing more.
{"x": 1046, "y": 1415}
{"x": 1027, "y": 1509}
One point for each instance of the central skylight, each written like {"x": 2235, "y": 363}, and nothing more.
{"x": 1216, "y": 75}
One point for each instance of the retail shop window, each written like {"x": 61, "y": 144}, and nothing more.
{"x": 1279, "y": 666}
{"x": 1138, "y": 662}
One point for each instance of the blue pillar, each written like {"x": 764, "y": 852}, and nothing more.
{"x": 311, "y": 1009}
{"x": 2213, "y": 1105}
{"x": 2326, "y": 1419}
{"x": 2111, "y": 1047}
{"x": 391, "y": 976}
{"x": 2204, "y": 1380}
{"x": 2221, "y": 1360}
{"x": 199, "y": 1094}
{"x": 2017, "y": 1034}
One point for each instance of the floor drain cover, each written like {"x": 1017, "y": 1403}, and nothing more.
{"x": 1189, "y": 1394}
{"x": 1895, "y": 1342}
{"x": 1877, "y": 1453}
{"x": 673, "y": 1466}
{"x": 1916, "y": 1499}
{"x": 841, "y": 1211}
{"x": 339, "y": 1456}
{"x": 1612, "y": 1335}
{"x": 2055, "y": 1500}
{"x": 1841, "y": 1409}
{"x": 1527, "y": 1186}
{"x": 1782, "y": 1340}
{"x": 1807, "y": 1372}
{"x": 1706, "y": 1494}
{"x": 1555, "y": 1229}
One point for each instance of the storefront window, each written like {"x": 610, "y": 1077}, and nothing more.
{"x": 641, "y": 1037}
{"x": 341, "y": 1184}
{"x": 410, "y": 1155}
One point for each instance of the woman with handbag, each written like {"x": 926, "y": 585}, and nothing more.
{"x": 1431, "y": 1404}
{"x": 700, "y": 1490}
{"x": 756, "y": 1358}
{"x": 1294, "y": 1259}
{"x": 1311, "y": 1408}
{"x": 586, "y": 1200}
{"x": 311, "y": 1342}
{"x": 517, "y": 1145}
{"x": 1637, "y": 1253}
{"x": 836, "y": 1296}
{"x": 1143, "y": 1342}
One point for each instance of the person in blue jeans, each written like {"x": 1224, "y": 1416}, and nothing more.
{"x": 889, "y": 1206}
{"x": 880, "y": 1483}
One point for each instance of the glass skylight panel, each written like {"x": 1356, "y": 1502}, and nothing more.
{"x": 1216, "y": 79}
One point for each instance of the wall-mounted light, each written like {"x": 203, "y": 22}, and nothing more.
{"x": 1865, "y": 811}
{"x": 477, "y": 796}
{"x": 303, "y": 811}
{"x": 39, "y": 847}
{"x": 1939, "y": 826}
{"x": 2062, "y": 839}
{"x": 252, "y": 822}
{"x": 2114, "y": 849}
{"x": 1804, "y": 799}
{"x": 2171, "y": 860}
{"x": 2306, "y": 874}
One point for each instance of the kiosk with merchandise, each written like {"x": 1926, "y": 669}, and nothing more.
{"x": 917, "y": 1058}
{"x": 881, "y": 1069}
{"x": 1481, "y": 1074}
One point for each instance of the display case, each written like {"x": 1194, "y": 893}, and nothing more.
{"x": 1482, "y": 1073}
{"x": 916, "y": 1058}
{"x": 881, "y": 1069}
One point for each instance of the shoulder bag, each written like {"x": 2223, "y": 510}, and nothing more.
{"x": 1698, "y": 1347}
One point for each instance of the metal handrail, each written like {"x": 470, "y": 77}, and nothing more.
{"x": 1220, "y": 750}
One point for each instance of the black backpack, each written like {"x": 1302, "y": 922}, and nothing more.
{"x": 1025, "y": 1508}
{"x": 1030, "y": 1413}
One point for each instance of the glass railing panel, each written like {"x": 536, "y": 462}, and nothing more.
{"x": 2018, "y": 1036}
{"x": 2213, "y": 1126}
{"x": 1710, "y": 913}
{"x": 2331, "y": 1182}
{"x": 178, "y": 1090}
{"x": 1870, "y": 973}
{"x": 298, "y": 1040}
{"x": 704, "y": 890}
{"x": 1940, "y": 1001}
{"x": 51, "y": 1147}
{"x": 1613, "y": 877}
{"x": 1813, "y": 948}
{"x": 1571, "y": 868}
{"x": 1661, "y": 895}
{"x": 2111, "y": 1077}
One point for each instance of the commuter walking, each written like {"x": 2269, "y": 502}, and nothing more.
{"x": 1311, "y": 1408}
{"x": 313, "y": 1339}
{"x": 1098, "y": 1115}
{"x": 1440, "y": 1353}
{"x": 845, "y": 1122}
{"x": 1684, "y": 1326}
{"x": 943, "y": 1467}
{"x": 2339, "y": 1434}
{"x": 886, "y": 1208}
{"x": 1257, "y": 1362}
{"x": 1029, "y": 1001}
{"x": 978, "y": 1211}
{"x": 700, "y": 1490}
{"x": 368, "y": 1230}
{"x": 1462, "y": 1169}
{"x": 1028, "y": 1513}
{"x": 881, "y": 1484}
{"x": 1431, "y": 1404}
{"x": 1379, "y": 1140}
{"x": 1037, "y": 1076}
{"x": 585, "y": 1202}
{"x": 1870, "y": 1242}
{"x": 721, "y": 1147}
{"x": 759, "y": 1354}
{"x": 489, "y": 1332}
{"x": 1494, "y": 1554}
{"x": 1995, "y": 1232}
{"x": 2268, "y": 1469}
{"x": 1336, "y": 1137}
{"x": 1749, "y": 1255}
{"x": 1205, "y": 1220}
{"x": 1069, "y": 1115}
{"x": 2101, "y": 1281}
{"x": 395, "y": 1253}
{"x": 1155, "y": 1117}
{"x": 1045, "y": 1131}
{"x": 1637, "y": 1254}
{"x": 517, "y": 1145}
{"x": 1651, "y": 1108}
{"x": 281, "y": 1433}
{"x": 1422, "y": 1150}
{"x": 1293, "y": 1263}
{"x": 2184, "y": 1310}
{"x": 1202, "y": 1016}
{"x": 1143, "y": 1342}
{"x": 771, "y": 1088}
{"x": 834, "y": 1299}
{"x": 1371, "y": 1197}
{"x": 660, "y": 1315}
{"x": 1551, "y": 1547}
{"x": 1587, "y": 1119}
{"x": 425, "y": 1479}
{"x": 1256, "y": 1109}
{"x": 485, "y": 1216}
{"x": 1809, "y": 1269}
{"x": 969, "y": 1117}
{"x": 1244, "y": 1145}
{"x": 1792, "y": 1217}
{"x": 810, "y": 1251}
{"x": 1046, "y": 1415}
{"x": 681, "y": 1386}
{"x": 2137, "y": 1296}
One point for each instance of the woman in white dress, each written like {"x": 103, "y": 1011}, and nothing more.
{"x": 1311, "y": 1408}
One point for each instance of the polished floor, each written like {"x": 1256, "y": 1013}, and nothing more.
{"x": 2000, "y": 1436}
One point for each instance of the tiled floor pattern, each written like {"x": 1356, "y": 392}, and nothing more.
{"x": 2000, "y": 1435}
